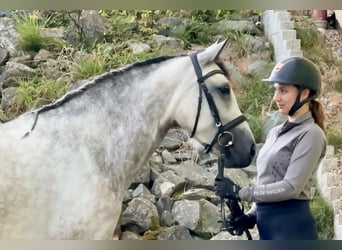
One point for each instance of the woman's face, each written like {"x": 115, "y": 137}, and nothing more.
{"x": 285, "y": 96}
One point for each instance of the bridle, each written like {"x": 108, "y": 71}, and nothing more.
{"x": 223, "y": 136}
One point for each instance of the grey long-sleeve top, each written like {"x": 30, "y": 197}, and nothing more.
{"x": 287, "y": 163}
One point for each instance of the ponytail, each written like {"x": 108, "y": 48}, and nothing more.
{"x": 318, "y": 114}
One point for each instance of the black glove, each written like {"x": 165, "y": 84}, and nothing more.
{"x": 238, "y": 225}
{"x": 245, "y": 221}
{"x": 226, "y": 188}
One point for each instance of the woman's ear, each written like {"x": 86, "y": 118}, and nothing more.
{"x": 305, "y": 94}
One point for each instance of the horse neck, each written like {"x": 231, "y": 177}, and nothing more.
{"x": 140, "y": 115}
{"x": 128, "y": 117}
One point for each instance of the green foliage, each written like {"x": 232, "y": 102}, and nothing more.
{"x": 123, "y": 29}
{"x": 90, "y": 66}
{"x": 154, "y": 231}
{"x": 56, "y": 18}
{"x": 5, "y": 117}
{"x": 257, "y": 126}
{"x": 324, "y": 217}
{"x": 248, "y": 13}
{"x": 30, "y": 38}
{"x": 29, "y": 28}
{"x": 195, "y": 32}
{"x": 334, "y": 137}
{"x": 127, "y": 25}
{"x": 309, "y": 37}
{"x": 209, "y": 16}
{"x": 37, "y": 91}
{"x": 254, "y": 101}
{"x": 313, "y": 43}
{"x": 257, "y": 96}
{"x": 338, "y": 85}
{"x": 239, "y": 41}
{"x": 105, "y": 57}
{"x": 125, "y": 57}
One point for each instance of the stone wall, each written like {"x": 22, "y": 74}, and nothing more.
{"x": 279, "y": 30}
{"x": 329, "y": 182}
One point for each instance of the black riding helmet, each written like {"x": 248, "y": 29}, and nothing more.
{"x": 300, "y": 72}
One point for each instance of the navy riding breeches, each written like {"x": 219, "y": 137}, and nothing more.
{"x": 286, "y": 220}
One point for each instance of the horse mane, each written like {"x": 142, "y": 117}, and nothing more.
{"x": 94, "y": 81}
{"x": 101, "y": 78}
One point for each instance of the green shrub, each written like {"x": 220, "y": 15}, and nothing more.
{"x": 334, "y": 137}
{"x": 123, "y": 29}
{"x": 197, "y": 32}
{"x": 88, "y": 67}
{"x": 324, "y": 217}
{"x": 29, "y": 28}
{"x": 37, "y": 91}
{"x": 257, "y": 126}
{"x": 30, "y": 38}
{"x": 56, "y": 18}
{"x": 338, "y": 85}
{"x": 313, "y": 44}
{"x": 239, "y": 41}
{"x": 256, "y": 98}
{"x": 309, "y": 37}
{"x": 125, "y": 57}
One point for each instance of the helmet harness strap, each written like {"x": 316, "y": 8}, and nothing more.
{"x": 298, "y": 104}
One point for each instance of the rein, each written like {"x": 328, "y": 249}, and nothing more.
{"x": 223, "y": 137}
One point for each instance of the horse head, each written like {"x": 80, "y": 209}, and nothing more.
{"x": 209, "y": 109}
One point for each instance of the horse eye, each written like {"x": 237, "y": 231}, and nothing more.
{"x": 224, "y": 90}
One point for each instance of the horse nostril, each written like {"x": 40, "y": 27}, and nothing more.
{"x": 252, "y": 151}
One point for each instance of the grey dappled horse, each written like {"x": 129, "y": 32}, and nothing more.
{"x": 65, "y": 167}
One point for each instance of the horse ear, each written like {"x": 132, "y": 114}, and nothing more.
{"x": 211, "y": 53}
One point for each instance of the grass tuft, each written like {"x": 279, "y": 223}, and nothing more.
{"x": 324, "y": 217}
{"x": 334, "y": 137}
{"x": 36, "y": 92}
{"x": 29, "y": 29}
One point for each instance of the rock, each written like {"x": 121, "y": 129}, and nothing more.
{"x": 175, "y": 233}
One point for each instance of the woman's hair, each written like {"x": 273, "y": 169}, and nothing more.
{"x": 318, "y": 114}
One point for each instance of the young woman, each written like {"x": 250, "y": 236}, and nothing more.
{"x": 289, "y": 158}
